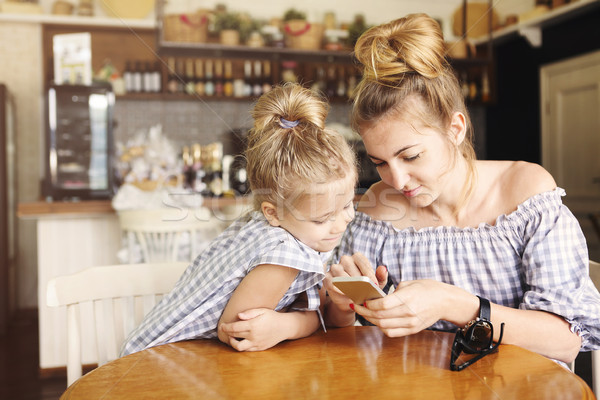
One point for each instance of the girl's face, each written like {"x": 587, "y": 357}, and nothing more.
{"x": 411, "y": 158}
{"x": 320, "y": 217}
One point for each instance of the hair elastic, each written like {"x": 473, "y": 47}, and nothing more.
{"x": 285, "y": 124}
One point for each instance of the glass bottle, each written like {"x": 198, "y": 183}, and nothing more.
{"x": 190, "y": 78}
{"x": 219, "y": 84}
{"x": 198, "y": 171}
{"x": 128, "y": 77}
{"x": 257, "y": 79}
{"x": 247, "y": 78}
{"x": 156, "y": 78}
{"x": 199, "y": 86}
{"x": 209, "y": 84}
{"x": 172, "y": 79}
{"x": 137, "y": 77}
{"x": 228, "y": 85}
{"x": 266, "y": 84}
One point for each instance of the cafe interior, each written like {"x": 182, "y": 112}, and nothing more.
{"x": 123, "y": 127}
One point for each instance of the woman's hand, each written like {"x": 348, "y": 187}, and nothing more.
{"x": 257, "y": 329}
{"x": 412, "y": 307}
{"x": 338, "y": 312}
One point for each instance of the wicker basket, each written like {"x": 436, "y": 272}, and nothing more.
{"x": 185, "y": 27}
{"x": 300, "y": 34}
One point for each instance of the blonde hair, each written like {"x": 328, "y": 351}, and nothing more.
{"x": 404, "y": 59}
{"x": 289, "y": 148}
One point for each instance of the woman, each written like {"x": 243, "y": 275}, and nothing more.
{"x": 448, "y": 228}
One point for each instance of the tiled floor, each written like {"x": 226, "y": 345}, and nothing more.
{"x": 19, "y": 378}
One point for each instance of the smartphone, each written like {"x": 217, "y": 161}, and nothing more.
{"x": 358, "y": 288}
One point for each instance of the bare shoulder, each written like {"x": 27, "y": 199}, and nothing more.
{"x": 524, "y": 179}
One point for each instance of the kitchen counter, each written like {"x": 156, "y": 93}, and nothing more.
{"x": 43, "y": 208}
{"x": 40, "y": 208}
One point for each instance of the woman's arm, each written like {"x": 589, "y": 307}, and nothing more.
{"x": 416, "y": 305}
{"x": 250, "y": 316}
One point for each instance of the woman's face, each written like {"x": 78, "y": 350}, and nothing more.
{"x": 411, "y": 158}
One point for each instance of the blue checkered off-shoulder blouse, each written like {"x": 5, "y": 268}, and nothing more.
{"x": 534, "y": 258}
{"x": 193, "y": 308}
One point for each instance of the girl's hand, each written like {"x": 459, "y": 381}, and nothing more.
{"x": 412, "y": 307}
{"x": 258, "y": 329}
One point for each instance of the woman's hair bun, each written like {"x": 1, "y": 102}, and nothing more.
{"x": 413, "y": 44}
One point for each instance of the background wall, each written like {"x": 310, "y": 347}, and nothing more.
{"x": 375, "y": 11}
{"x": 21, "y": 70}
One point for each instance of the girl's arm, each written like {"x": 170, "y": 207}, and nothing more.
{"x": 249, "y": 322}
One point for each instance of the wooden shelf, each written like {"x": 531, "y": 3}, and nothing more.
{"x": 77, "y": 20}
{"x": 531, "y": 29}
{"x": 215, "y": 50}
{"x": 179, "y": 97}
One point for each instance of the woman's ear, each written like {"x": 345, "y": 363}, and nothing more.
{"x": 270, "y": 213}
{"x": 458, "y": 128}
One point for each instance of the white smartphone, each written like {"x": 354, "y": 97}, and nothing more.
{"x": 358, "y": 288}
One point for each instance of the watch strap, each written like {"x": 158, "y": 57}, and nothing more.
{"x": 485, "y": 310}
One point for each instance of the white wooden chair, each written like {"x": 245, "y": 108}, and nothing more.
{"x": 595, "y": 275}
{"x": 169, "y": 234}
{"x": 121, "y": 295}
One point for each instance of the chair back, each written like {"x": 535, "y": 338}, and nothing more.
{"x": 169, "y": 234}
{"x": 595, "y": 275}
{"x": 121, "y": 295}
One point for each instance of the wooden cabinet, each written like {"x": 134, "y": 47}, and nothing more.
{"x": 117, "y": 44}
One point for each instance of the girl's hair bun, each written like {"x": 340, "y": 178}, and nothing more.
{"x": 290, "y": 106}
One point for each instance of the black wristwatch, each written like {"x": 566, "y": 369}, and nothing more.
{"x": 478, "y": 332}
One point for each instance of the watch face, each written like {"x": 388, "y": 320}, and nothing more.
{"x": 479, "y": 335}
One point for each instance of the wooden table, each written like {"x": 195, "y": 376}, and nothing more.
{"x": 347, "y": 363}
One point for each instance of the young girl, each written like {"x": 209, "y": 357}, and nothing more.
{"x": 302, "y": 177}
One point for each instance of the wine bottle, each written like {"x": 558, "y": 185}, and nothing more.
{"x": 266, "y": 84}
{"x": 189, "y": 174}
{"x": 128, "y": 77}
{"x": 137, "y": 77}
{"x": 219, "y": 84}
{"x": 147, "y": 85}
{"x": 190, "y": 79}
{"x": 216, "y": 172}
{"x": 247, "y": 78}
{"x": 257, "y": 79}
{"x": 172, "y": 80}
{"x": 180, "y": 75}
{"x": 209, "y": 84}
{"x": 156, "y": 78}
{"x": 228, "y": 84}
{"x": 199, "y": 87}
{"x": 198, "y": 169}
